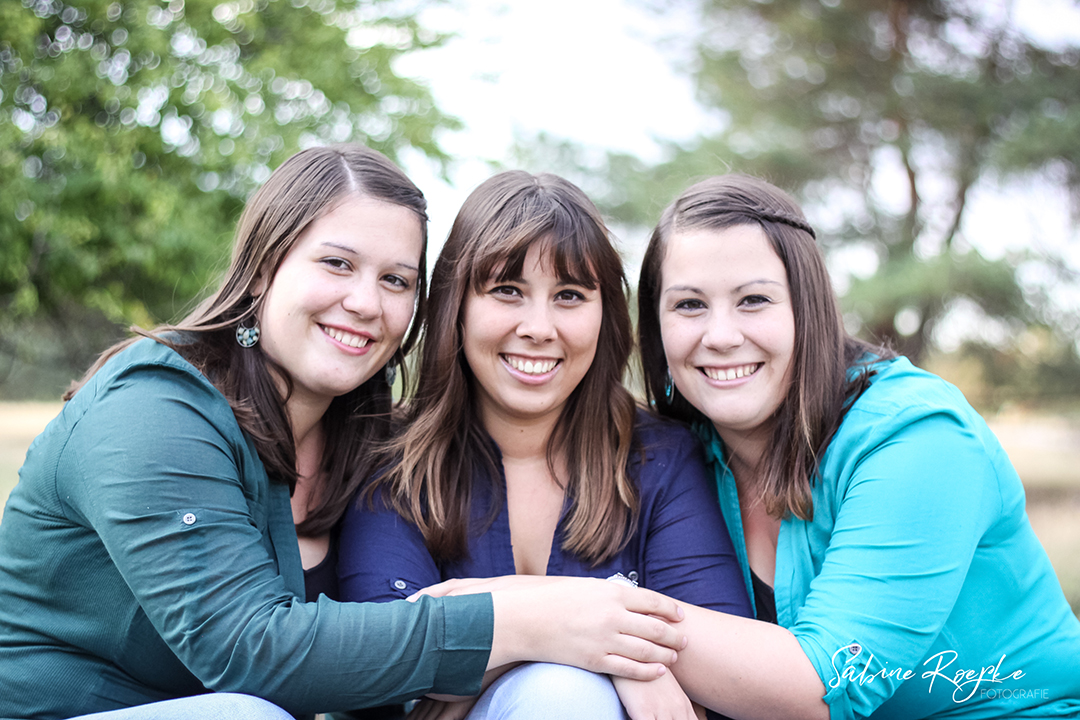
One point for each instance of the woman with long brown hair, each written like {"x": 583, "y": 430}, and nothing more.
{"x": 521, "y": 451}
{"x": 170, "y": 522}
{"x": 879, "y": 524}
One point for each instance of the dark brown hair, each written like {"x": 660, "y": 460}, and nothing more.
{"x": 820, "y": 387}
{"x": 304, "y": 188}
{"x": 443, "y": 443}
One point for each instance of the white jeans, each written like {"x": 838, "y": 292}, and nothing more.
{"x": 551, "y": 692}
{"x": 212, "y": 706}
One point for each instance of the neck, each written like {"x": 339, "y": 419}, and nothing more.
{"x": 304, "y": 411}
{"x": 305, "y": 419}
{"x": 520, "y": 439}
{"x": 744, "y": 451}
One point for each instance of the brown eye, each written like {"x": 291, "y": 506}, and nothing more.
{"x": 336, "y": 263}
{"x": 755, "y": 301}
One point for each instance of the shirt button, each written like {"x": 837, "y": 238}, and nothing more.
{"x": 399, "y": 584}
{"x": 632, "y": 575}
{"x": 189, "y": 519}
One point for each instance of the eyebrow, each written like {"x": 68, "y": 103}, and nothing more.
{"x": 352, "y": 251}
{"x": 683, "y": 288}
{"x": 699, "y": 291}
{"x": 569, "y": 282}
{"x": 760, "y": 281}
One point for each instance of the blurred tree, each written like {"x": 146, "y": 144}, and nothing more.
{"x": 132, "y": 131}
{"x": 836, "y": 100}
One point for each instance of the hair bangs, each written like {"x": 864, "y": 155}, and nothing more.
{"x": 571, "y": 248}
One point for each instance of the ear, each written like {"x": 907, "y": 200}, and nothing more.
{"x": 260, "y": 286}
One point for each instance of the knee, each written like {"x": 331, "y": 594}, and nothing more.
{"x": 245, "y": 707}
{"x": 549, "y": 690}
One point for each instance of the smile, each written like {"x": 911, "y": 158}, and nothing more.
{"x": 346, "y": 338}
{"x": 530, "y": 367}
{"x": 731, "y": 373}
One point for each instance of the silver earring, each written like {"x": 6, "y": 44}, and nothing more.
{"x": 248, "y": 337}
{"x": 391, "y": 373}
{"x": 669, "y": 386}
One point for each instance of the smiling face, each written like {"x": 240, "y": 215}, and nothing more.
{"x": 341, "y": 300}
{"x": 529, "y": 341}
{"x": 727, "y": 325}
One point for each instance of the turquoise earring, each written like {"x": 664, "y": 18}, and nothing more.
{"x": 248, "y": 337}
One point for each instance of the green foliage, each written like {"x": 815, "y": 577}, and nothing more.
{"x": 132, "y": 131}
{"x": 828, "y": 98}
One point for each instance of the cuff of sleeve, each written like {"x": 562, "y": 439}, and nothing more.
{"x": 835, "y": 670}
{"x": 468, "y": 631}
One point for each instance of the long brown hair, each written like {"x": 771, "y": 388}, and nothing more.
{"x": 304, "y": 188}
{"x": 820, "y": 387}
{"x": 443, "y": 444}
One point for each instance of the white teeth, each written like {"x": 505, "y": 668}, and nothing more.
{"x": 345, "y": 338}
{"x": 531, "y": 367}
{"x": 731, "y": 373}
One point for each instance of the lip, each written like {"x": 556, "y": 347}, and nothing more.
{"x": 730, "y": 375}
{"x": 345, "y": 339}
{"x": 530, "y": 378}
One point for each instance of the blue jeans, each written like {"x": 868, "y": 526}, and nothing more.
{"x": 546, "y": 690}
{"x": 212, "y": 706}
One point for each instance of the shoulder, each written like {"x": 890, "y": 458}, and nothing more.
{"x": 666, "y": 455}
{"x": 658, "y": 436}
{"x": 900, "y": 393}
{"x": 148, "y": 382}
{"x": 150, "y": 414}
{"x": 907, "y": 410}
{"x": 147, "y": 364}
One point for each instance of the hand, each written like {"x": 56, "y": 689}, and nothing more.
{"x": 429, "y": 709}
{"x": 659, "y": 699}
{"x": 592, "y": 624}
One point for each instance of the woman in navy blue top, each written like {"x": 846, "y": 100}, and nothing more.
{"x": 522, "y": 453}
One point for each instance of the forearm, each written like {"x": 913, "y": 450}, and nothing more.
{"x": 584, "y": 622}
{"x": 747, "y": 669}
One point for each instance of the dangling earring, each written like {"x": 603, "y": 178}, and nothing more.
{"x": 669, "y": 386}
{"x": 248, "y": 337}
{"x": 391, "y": 373}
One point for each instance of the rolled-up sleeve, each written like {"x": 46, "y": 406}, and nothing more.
{"x": 910, "y": 509}
{"x": 382, "y": 556}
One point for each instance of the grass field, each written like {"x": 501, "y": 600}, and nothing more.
{"x": 1045, "y": 450}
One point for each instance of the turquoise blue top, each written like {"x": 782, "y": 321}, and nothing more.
{"x": 145, "y": 555}
{"x": 919, "y": 589}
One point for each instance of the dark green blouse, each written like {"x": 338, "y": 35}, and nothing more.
{"x": 144, "y": 555}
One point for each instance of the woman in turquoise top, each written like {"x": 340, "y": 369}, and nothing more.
{"x": 154, "y": 548}
{"x": 876, "y": 517}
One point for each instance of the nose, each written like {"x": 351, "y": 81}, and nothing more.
{"x": 722, "y": 332}
{"x": 536, "y": 324}
{"x": 363, "y": 299}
